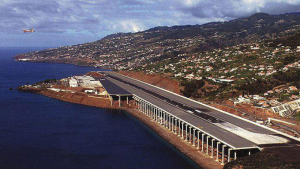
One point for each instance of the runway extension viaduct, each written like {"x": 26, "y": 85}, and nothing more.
{"x": 218, "y": 134}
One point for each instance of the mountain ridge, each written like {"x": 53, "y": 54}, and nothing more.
{"x": 126, "y": 50}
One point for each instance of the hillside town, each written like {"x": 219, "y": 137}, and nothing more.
{"x": 130, "y": 50}
{"x": 234, "y": 66}
{"x": 220, "y": 61}
{"x": 114, "y": 53}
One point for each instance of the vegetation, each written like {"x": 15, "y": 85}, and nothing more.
{"x": 191, "y": 88}
{"x": 130, "y": 50}
{"x": 297, "y": 116}
{"x": 292, "y": 41}
{"x": 261, "y": 160}
{"x": 47, "y": 81}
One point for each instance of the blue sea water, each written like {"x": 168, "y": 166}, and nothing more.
{"x": 40, "y": 132}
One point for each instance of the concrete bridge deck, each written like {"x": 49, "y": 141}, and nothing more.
{"x": 215, "y": 124}
{"x": 229, "y": 138}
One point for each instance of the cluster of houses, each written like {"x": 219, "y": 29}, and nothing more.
{"x": 270, "y": 102}
{"x": 229, "y": 64}
{"x": 284, "y": 89}
{"x": 235, "y": 67}
{"x": 119, "y": 52}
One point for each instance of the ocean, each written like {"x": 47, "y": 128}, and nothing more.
{"x": 41, "y": 132}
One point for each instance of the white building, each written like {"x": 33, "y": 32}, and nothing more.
{"x": 73, "y": 82}
{"x": 287, "y": 109}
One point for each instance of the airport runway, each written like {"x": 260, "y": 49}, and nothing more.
{"x": 212, "y": 121}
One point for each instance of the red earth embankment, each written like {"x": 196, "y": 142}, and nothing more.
{"x": 228, "y": 106}
{"x": 85, "y": 99}
{"x": 77, "y": 98}
{"x": 156, "y": 80}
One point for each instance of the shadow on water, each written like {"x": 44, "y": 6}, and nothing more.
{"x": 162, "y": 141}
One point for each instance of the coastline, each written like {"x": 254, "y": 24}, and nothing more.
{"x": 188, "y": 150}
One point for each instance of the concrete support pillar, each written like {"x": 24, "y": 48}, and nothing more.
{"x": 249, "y": 152}
{"x": 172, "y": 122}
{"x": 151, "y": 111}
{"x": 127, "y": 100}
{"x": 217, "y": 159}
{"x": 186, "y": 132}
{"x": 235, "y": 154}
{"x": 164, "y": 119}
{"x": 160, "y": 114}
{"x": 155, "y": 114}
{"x": 175, "y": 126}
{"x": 190, "y": 136}
{"x": 179, "y": 127}
{"x": 119, "y": 101}
{"x": 198, "y": 137}
{"x": 207, "y": 145}
{"x": 229, "y": 154}
{"x": 148, "y": 109}
{"x": 223, "y": 153}
{"x": 194, "y": 130}
{"x": 167, "y": 121}
{"x": 212, "y": 148}
{"x": 202, "y": 141}
{"x": 139, "y": 105}
{"x": 182, "y": 130}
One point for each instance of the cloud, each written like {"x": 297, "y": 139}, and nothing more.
{"x": 235, "y": 8}
{"x": 97, "y": 18}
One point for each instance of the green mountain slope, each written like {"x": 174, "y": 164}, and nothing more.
{"x": 125, "y": 50}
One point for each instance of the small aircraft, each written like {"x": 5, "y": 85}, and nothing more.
{"x": 25, "y": 30}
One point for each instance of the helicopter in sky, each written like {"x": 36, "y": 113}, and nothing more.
{"x": 25, "y": 30}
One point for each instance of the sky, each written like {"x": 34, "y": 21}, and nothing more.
{"x": 70, "y": 22}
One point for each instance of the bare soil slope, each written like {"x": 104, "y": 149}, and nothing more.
{"x": 156, "y": 80}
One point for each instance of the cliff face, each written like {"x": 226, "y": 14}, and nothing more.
{"x": 156, "y": 80}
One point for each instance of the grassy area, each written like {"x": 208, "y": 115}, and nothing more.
{"x": 297, "y": 116}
